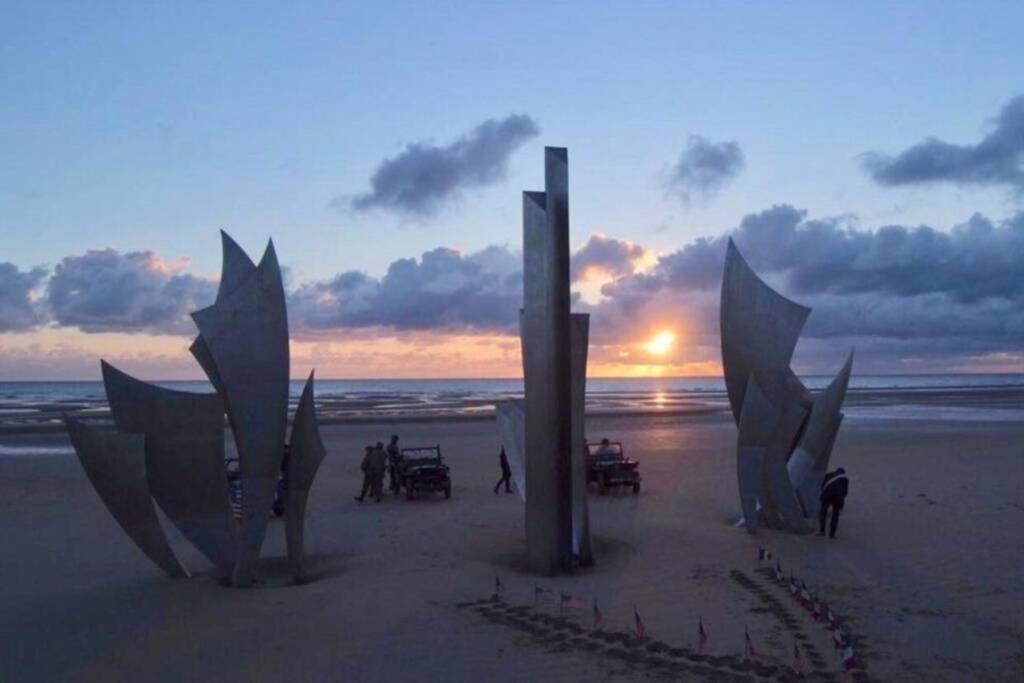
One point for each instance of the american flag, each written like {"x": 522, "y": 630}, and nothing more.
{"x": 848, "y": 659}
{"x": 566, "y": 602}
{"x": 833, "y": 619}
{"x": 702, "y": 635}
{"x": 597, "y": 615}
{"x": 838, "y": 639}
{"x": 640, "y": 631}
{"x": 805, "y": 595}
{"x": 798, "y": 660}
{"x": 539, "y": 593}
{"x": 748, "y": 650}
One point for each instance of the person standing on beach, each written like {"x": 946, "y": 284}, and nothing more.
{"x": 379, "y": 467}
{"x": 394, "y": 456}
{"x": 367, "y": 476}
{"x": 833, "y": 494}
{"x": 506, "y": 473}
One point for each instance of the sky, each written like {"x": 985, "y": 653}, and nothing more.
{"x": 867, "y": 158}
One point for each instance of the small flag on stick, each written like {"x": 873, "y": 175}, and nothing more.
{"x": 763, "y": 554}
{"x": 838, "y": 639}
{"x": 798, "y": 660}
{"x": 566, "y": 602}
{"x": 748, "y": 649}
{"x": 499, "y": 587}
{"x": 702, "y": 635}
{"x": 779, "y": 578}
{"x": 848, "y": 659}
{"x": 539, "y": 593}
{"x": 597, "y": 615}
{"x": 640, "y": 630}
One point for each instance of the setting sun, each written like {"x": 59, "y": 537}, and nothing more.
{"x": 661, "y": 343}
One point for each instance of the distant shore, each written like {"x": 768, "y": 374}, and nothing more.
{"x": 995, "y": 402}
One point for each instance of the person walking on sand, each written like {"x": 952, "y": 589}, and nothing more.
{"x": 394, "y": 458}
{"x": 833, "y": 494}
{"x": 367, "y": 476}
{"x": 378, "y": 466}
{"x": 506, "y": 473}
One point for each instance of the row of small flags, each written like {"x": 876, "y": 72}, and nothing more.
{"x": 820, "y": 611}
{"x": 567, "y": 602}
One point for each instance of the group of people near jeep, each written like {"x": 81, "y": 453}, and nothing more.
{"x": 377, "y": 461}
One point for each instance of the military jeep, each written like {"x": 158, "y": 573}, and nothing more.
{"x": 422, "y": 470}
{"x": 608, "y": 466}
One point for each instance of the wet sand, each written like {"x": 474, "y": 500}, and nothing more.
{"x": 926, "y": 572}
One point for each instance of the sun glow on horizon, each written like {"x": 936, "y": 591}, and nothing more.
{"x": 661, "y": 343}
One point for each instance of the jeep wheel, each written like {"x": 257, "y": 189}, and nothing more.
{"x": 602, "y": 483}
{"x": 636, "y": 487}
{"x": 448, "y": 491}
{"x": 408, "y": 492}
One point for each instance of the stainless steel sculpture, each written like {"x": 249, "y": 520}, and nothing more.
{"x": 511, "y": 418}
{"x": 246, "y": 335}
{"x": 116, "y": 465}
{"x": 306, "y": 451}
{"x": 580, "y": 334}
{"x": 243, "y": 348}
{"x": 785, "y": 433}
{"x": 184, "y": 435}
{"x": 546, "y": 332}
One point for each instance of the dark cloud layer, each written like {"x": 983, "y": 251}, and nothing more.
{"x": 705, "y": 167}
{"x": 895, "y": 282}
{"x": 898, "y": 292}
{"x": 418, "y": 181}
{"x": 106, "y": 291}
{"x": 443, "y": 290}
{"x": 607, "y": 255}
{"x": 997, "y": 160}
{"x": 18, "y": 310}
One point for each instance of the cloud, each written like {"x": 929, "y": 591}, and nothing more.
{"x": 106, "y": 291}
{"x": 996, "y": 160}
{"x": 19, "y": 310}
{"x": 705, "y": 167}
{"x": 906, "y": 296}
{"x": 424, "y": 176}
{"x": 605, "y": 256}
{"x": 896, "y": 282}
{"x": 442, "y": 290}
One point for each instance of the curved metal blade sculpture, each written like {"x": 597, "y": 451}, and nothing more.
{"x": 168, "y": 446}
{"x": 785, "y": 434}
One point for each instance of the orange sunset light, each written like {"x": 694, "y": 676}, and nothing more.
{"x": 661, "y": 343}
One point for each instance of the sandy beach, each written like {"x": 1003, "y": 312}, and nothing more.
{"x": 925, "y": 572}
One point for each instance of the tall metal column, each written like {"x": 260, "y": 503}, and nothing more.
{"x": 547, "y": 345}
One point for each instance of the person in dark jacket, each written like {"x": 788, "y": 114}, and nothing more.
{"x": 394, "y": 459}
{"x": 506, "y": 473}
{"x": 833, "y": 494}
